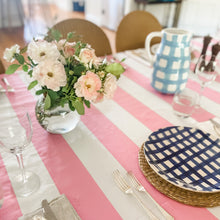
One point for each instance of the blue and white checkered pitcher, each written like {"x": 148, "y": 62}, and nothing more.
{"x": 172, "y": 60}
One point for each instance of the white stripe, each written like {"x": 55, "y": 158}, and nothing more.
{"x": 126, "y": 122}
{"x": 159, "y": 106}
{"x": 32, "y": 162}
{"x": 101, "y": 164}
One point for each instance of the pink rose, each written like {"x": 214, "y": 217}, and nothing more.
{"x": 110, "y": 85}
{"x": 86, "y": 55}
{"x": 67, "y": 47}
{"x": 99, "y": 98}
{"x": 88, "y": 86}
{"x": 69, "y": 50}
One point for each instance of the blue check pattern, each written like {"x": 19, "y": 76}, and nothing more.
{"x": 186, "y": 157}
{"x": 171, "y": 68}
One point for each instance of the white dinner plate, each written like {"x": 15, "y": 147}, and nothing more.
{"x": 186, "y": 157}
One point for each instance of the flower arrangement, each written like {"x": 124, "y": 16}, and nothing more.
{"x": 67, "y": 72}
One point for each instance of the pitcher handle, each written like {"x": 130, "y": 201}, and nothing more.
{"x": 148, "y": 39}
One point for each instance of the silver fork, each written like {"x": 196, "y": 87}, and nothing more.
{"x": 123, "y": 185}
{"x": 9, "y": 88}
{"x": 136, "y": 184}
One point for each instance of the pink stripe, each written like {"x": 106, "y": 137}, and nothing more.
{"x": 201, "y": 115}
{"x": 125, "y": 151}
{"x": 73, "y": 179}
{"x": 208, "y": 92}
{"x": 10, "y": 202}
{"x": 144, "y": 114}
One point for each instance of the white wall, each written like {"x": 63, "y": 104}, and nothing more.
{"x": 93, "y": 11}
{"x": 202, "y": 17}
{"x": 64, "y": 4}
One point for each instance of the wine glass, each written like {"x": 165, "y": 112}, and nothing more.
{"x": 14, "y": 138}
{"x": 205, "y": 70}
{"x": 1, "y": 195}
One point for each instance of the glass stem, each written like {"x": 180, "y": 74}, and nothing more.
{"x": 19, "y": 157}
{"x": 201, "y": 93}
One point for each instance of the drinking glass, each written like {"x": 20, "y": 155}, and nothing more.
{"x": 184, "y": 102}
{"x": 205, "y": 71}
{"x": 14, "y": 138}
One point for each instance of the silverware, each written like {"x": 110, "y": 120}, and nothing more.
{"x": 9, "y": 88}
{"x": 48, "y": 213}
{"x": 136, "y": 184}
{"x": 123, "y": 185}
{"x": 2, "y": 89}
{"x": 216, "y": 126}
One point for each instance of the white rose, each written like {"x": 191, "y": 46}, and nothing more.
{"x": 9, "y": 53}
{"x": 42, "y": 50}
{"x": 50, "y": 73}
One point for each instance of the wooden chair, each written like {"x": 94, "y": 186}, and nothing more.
{"x": 2, "y": 68}
{"x": 88, "y": 32}
{"x": 133, "y": 30}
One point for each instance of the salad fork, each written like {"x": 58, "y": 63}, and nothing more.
{"x": 123, "y": 185}
{"x": 136, "y": 184}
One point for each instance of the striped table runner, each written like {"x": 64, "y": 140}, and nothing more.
{"x": 80, "y": 164}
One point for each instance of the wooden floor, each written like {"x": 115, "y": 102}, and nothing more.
{"x": 41, "y": 17}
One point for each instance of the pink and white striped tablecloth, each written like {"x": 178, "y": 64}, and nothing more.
{"x": 80, "y": 164}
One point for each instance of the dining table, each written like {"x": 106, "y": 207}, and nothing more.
{"x": 109, "y": 136}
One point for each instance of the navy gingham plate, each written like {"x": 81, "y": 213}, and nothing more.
{"x": 186, "y": 157}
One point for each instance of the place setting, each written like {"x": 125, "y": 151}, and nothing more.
{"x": 182, "y": 162}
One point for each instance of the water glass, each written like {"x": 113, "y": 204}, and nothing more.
{"x": 185, "y": 102}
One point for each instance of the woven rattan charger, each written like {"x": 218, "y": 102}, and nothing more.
{"x": 179, "y": 194}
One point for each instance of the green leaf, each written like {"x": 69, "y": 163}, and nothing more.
{"x": 87, "y": 103}
{"x": 32, "y": 62}
{"x": 65, "y": 89}
{"x": 53, "y": 95}
{"x": 116, "y": 69}
{"x": 70, "y": 35}
{"x": 56, "y": 34}
{"x": 47, "y": 102}
{"x": 30, "y": 73}
{"x": 25, "y": 68}
{"x": 32, "y": 84}
{"x": 123, "y": 60}
{"x": 79, "y": 107}
{"x": 79, "y": 69}
{"x": 19, "y": 58}
{"x": 39, "y": 92}
{"x": 12, "y": 68}
{"x": 23, "y": 50}
{"x": 71, "y": 106}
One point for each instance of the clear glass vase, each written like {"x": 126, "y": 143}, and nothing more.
{"x": 58, "y": 120}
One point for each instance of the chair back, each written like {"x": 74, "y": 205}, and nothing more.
{"x": 86, "y": 32}
{"x": 133, "y": 30}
